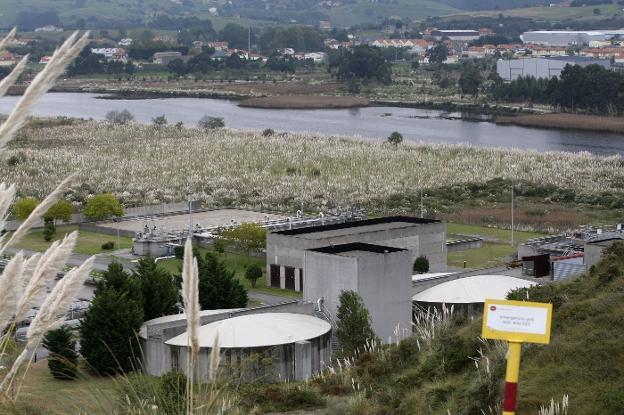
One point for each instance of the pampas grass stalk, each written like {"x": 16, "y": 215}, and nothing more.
{"x": 7, "y": 195}
{"x": 41, "y": 84}
{"x": 49, "y": 316}
{"x": 215, "y": 358}
{"x": 38, "y": 213}
{"x": 190, "y": 295}
{"x": 10, "y": 79}
{"x": 10, "y": 289}
{"x": 46, "y": 269}
{"x": 7, "y": 39}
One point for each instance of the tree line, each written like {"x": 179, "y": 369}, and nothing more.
{"x": 592, "y": 89}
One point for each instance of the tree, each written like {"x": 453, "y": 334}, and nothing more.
{"x": 160, "y": 289}
{"x": 210, "y": 123}
{"x": 63, "y": 358}
{"x": 159, "y": 121}
{"x": 177, "y": 66}
{"x": 253, "y": 273}
{"x": 108, "y": 332}
{"x": 119, "y": 117}
{"x": 246, "y": 237}
{"x": 103, "y": 206}
{"x": 353, "y": 328}
{"x": 395, "y": 138}
{"x": 48, "y": 230}
{"x": 218, "y": 287}
{"x": 24, "y": 207}
{"x": 364, "y": 62}
{"x": 236, "y": 35}
{"x": 421, "y": 265}
{"x": 470, "y": 80}
{"x": 437, "y": 54}
{"x": 61, "y": 210}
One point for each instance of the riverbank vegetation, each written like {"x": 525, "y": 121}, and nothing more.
{"x": 145, "y": 164}
{"x": 305, "y": 102}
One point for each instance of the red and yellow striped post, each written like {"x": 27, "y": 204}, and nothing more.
{"x": 511, "y": 378}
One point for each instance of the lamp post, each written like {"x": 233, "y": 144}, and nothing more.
{"x": 513, "y": 239}
{"x": 422, "y": 196}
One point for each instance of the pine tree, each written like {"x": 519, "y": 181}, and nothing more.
{"x": 354, "y": 324}
{"x": 63, "y": 357}
{"x": 218, "y": 287}
{"x": 108, "y": 333}
{"x": 421, "y": 265}
{"x": 160, "y": 289}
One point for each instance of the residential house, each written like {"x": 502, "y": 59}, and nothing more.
{"x": 49, "y": 28}
{"x": 164, "y": 58}
{"x": 125, "y": 42}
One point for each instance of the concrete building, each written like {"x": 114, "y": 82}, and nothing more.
{"x": 569, "y": 37}
{"x": 594, "y": 249}
{"x": 545, "y": 67}
{"x": 269, "y": 347}
{"x": 158, "y": 358}
{"x": 381, "y": 275}
{"x": 165, "y": 58}
{"x": 285, "y": 249}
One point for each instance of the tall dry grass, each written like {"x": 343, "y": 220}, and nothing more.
{"x": 23, "y": 280}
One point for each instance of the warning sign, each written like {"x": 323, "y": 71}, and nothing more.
{"x": 517, "y": 321}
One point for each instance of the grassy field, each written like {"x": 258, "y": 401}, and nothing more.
{"x": 567, "y": 121}
{"x": 490, "y": 255}
{"x": 556, "y": 13}
{"x": 87, "y": 395}
{"x": 238, "y": 264}
{"x": 89, "y": 243}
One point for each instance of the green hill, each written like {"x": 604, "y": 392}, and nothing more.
{"x": 446, "y": 369}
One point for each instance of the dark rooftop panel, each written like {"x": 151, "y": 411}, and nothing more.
{"x": 357, "y": 246}
{"x": 356, "y": 224}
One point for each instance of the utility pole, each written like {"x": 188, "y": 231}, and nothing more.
{"x": 249, "y": 44}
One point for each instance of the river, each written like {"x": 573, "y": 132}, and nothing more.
{"x": 375, "y": 123}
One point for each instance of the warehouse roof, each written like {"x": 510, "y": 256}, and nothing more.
{"x": 474, "y": 289}
{"x": 258, "y": 330}
{"x": 357, "y": 226}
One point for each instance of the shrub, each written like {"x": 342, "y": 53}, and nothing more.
{"x": 48, "y": 231}
{"x": 421, "y": 265}
{"x": 253, "y": 273}
{"x": 178, "y": 251}
{"x": 280, "y": 398}
{"x": 353, "y": 328}
{"x": 219, "y": 246}
{"x": 119, "y": 117}
{"x": 395, "y": 138}
{"x": 268, "y": 132}
{"x": 159, "y": 121}
{"x": 108, "y": 245}
{"x": 24, "y": 207}
{"x": 211, "y": 123}
{"x": 103, "y": 206}
{"x": 63, "y": 357}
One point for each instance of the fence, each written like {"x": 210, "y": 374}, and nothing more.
{"x": 128, "y": 213}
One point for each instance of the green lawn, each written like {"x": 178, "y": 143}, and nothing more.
{"x": 502, "y": 235}
{"x": 88, "y": 394}
{"x": 89, "y": 243}
{"x": 238, "y": 263}
{"x": 555, "y": 13}
{"x": 490, "y": 255}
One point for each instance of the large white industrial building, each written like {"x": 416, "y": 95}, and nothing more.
{"x": 569, "y": 37}
{"x": 510, "y": 69}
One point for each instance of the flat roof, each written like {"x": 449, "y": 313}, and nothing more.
{"x": 605, "y": 242}
{"x": 474, "y": 289}
{"x": 356, "y": 247}
{"x": 385, "y": 222}
{"x": 258, "y": 330}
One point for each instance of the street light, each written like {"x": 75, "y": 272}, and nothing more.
{"x": 513, "y": 239}
{"x": 422, "y": 197}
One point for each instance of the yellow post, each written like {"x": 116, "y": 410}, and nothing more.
{"x": 511, "y": 378}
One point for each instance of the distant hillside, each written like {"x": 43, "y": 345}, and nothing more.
{"x": 493, "y": 4}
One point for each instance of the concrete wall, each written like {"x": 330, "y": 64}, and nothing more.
{"x": 382, "y": 280}
{"x": 286, "y": 362}
{"x": 421, "y": 239}
{"x": 156, "y": 355}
